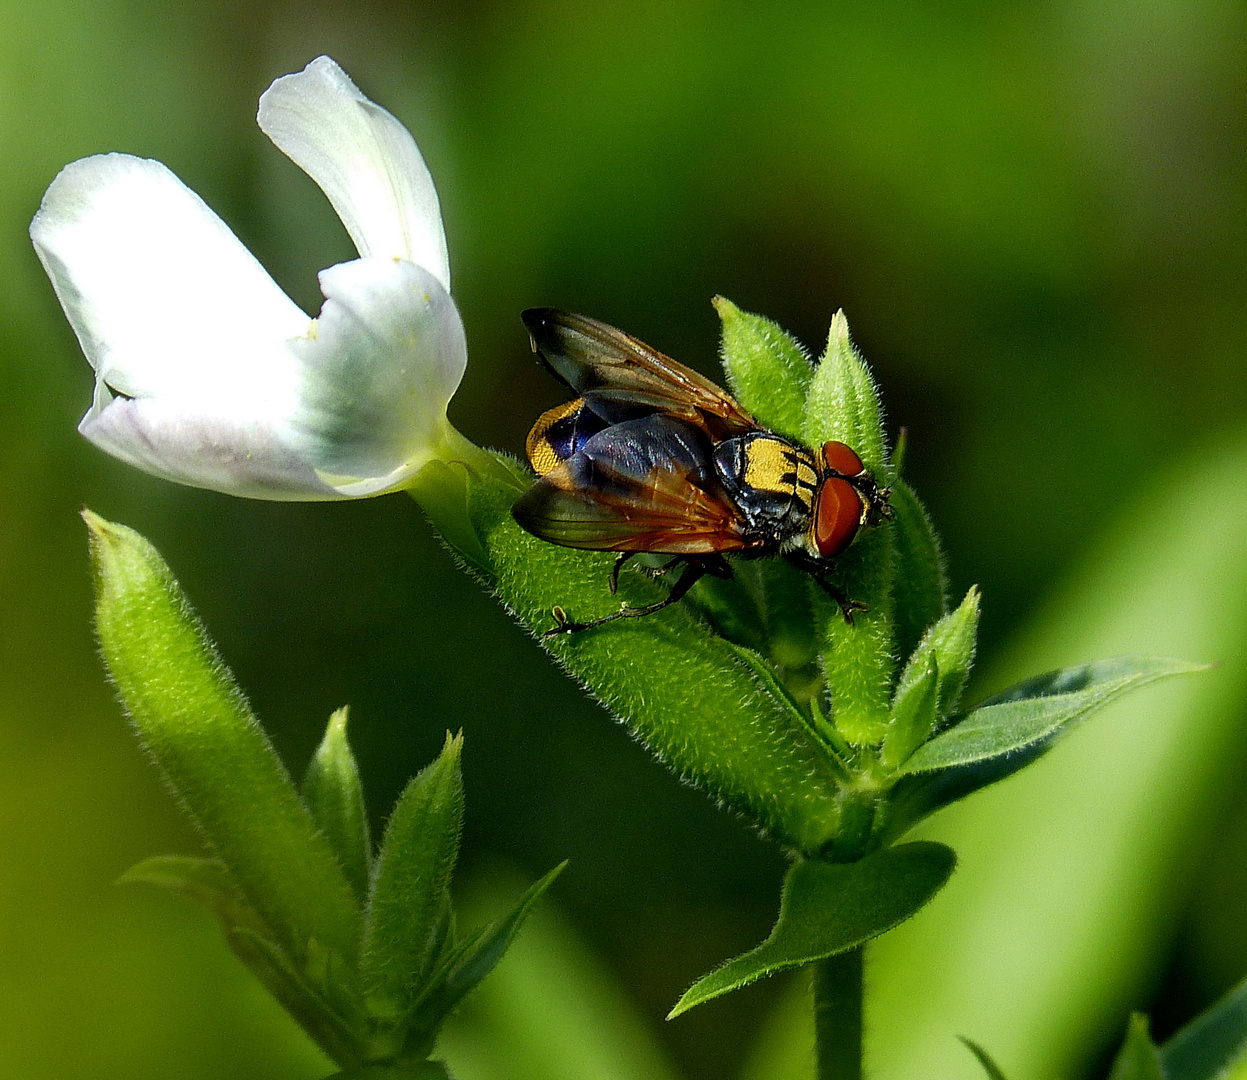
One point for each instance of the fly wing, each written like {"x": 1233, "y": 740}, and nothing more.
{"x": 593, "y": 358}
{"x": 643, "y": 485}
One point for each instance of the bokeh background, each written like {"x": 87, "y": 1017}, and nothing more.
{"x": 1034, "y": 216}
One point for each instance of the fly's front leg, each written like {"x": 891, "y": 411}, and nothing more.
{"x": 846, "y": 603}
{"x": 818, "y": 571}
{"x": 877, "y": 508}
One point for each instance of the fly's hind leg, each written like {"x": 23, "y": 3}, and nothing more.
{"x": 694, "y": 569}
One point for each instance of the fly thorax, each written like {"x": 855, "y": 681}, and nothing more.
{"x": 771, "y": 480}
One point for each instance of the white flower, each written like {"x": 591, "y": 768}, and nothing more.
{"x": 206, "y": 372}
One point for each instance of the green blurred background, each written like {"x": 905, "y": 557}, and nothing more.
{"x": 1034, "y": 216}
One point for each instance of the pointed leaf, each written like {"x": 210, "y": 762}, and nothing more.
{"x": 952, "y": 641}
{"x": 469, "y": 963}
{"x": 843, "y": 403}
{"x": 335, "y": 797}
{"x": 1212, "y": 1044}
{"x": 918, "y": 795}
{"x": 206, "y": 881}
{"x": 993, "y": 1070}
{"x": 828, "y": 908}
{"x": 199, "y": 729}
{"x": 858, "y": 660}
{"x": 484, "y": 956}
{"x": 1137, "y": 1059}
{"x": 406, "y": 917}
{"x": 945, "y": 654}
{"x": 913, "y": 709}
{"x": 767, "y": 369}
{"x": 921, "y": 570}
{"x": 1040, "y": 709}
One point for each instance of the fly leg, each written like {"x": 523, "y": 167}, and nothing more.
{"x": 613, "y": 582}
{"x": 816, "y": 569}
{"x": 650, "y": 571}
{"x": 658, "y": 571}
{"x": 877, "y": 508}
{"x": 846, "y": 603}
{"x": 694, "y": 569}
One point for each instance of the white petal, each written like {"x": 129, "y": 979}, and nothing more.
{"x": 386, "y": 356}
{"x": 163, "y": 297}
{"x": 364, "y": 160}
{"x": 374, "y": 375}
{"x": 205, "y": 444}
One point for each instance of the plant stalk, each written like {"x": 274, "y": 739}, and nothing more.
{"x": 838, "y": 1016}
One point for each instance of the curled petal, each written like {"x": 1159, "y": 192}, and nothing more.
{"x": 385, "y": 359}
{"x": 206, "y": 444}
{"x": 206, "y": 372}
{"x": 375, "y": 373}
{"x": 364, "y": 160}
{"x": 162, "y": 295}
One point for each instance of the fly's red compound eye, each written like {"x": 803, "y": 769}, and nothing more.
{"x": 837, "y": 513}
{"x": 841, "y": 458}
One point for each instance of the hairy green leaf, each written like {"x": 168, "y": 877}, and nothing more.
{"x": 1212, "y": 1045}
{"x": 335, "y": 797}
{"x": 843, "y": 403}
{"x": 678, "y": 687}
{"x": 1039, "y": 709}
{"x": 858, "y": 660}
{"x": 921, "y": 585}
{"x": 952, "y": 641}
{"x": 470, "y": 961}
{"x": 191, "y": 716}
{"x": 408, "y": 905}
{"x": 828, "y": 908}
{"x": 767, "y": 369}
{"x": 913, "y": 709}
{"x": 944, "y": 655}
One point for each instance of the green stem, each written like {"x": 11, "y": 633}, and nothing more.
{"x": 838, "y": 1016}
